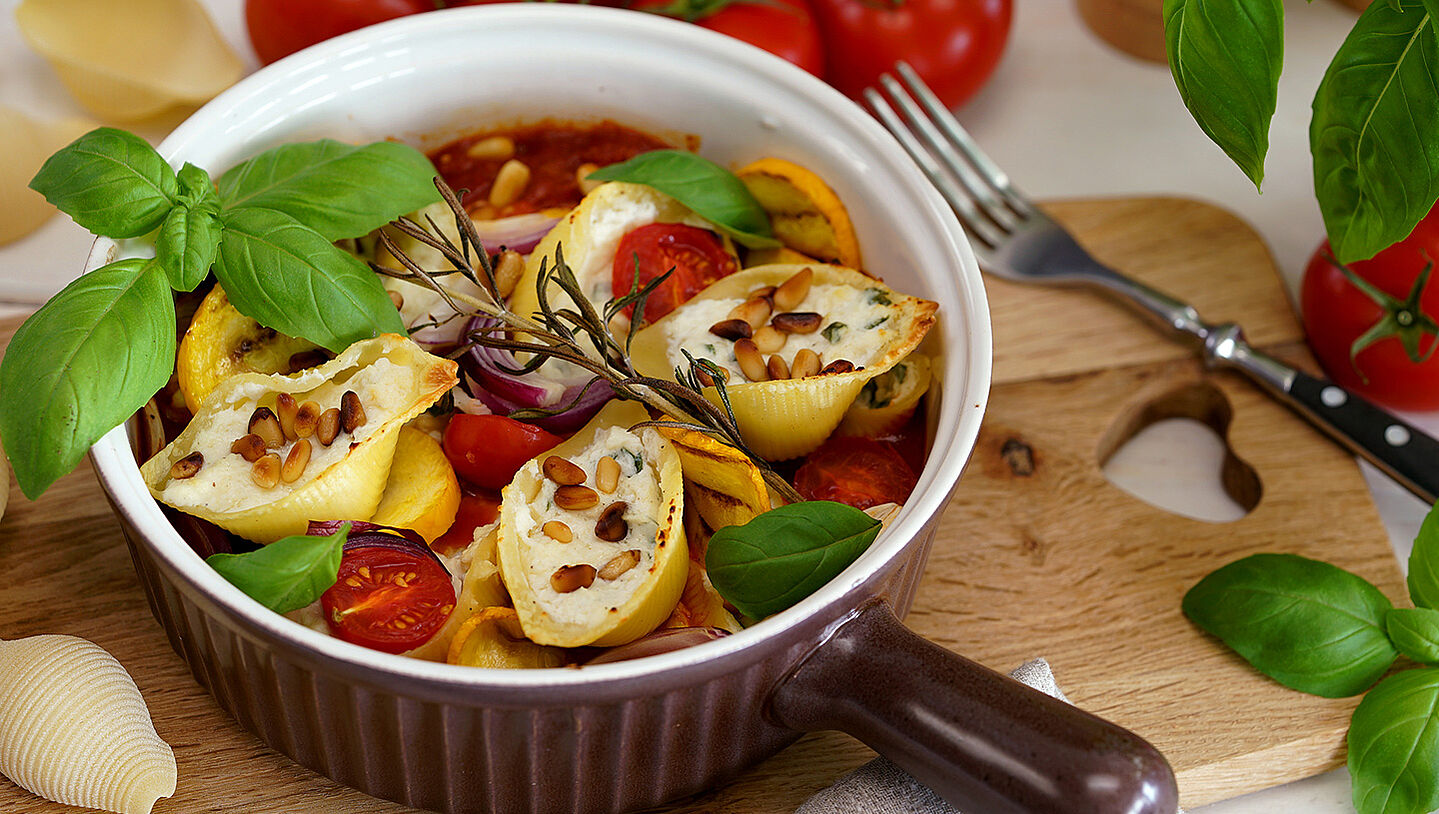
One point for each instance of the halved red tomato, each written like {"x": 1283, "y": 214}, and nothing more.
{"x": 391, "y": 594}
{"x": 696, "y": 255}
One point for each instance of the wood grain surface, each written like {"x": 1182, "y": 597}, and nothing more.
{"x": 1038, "y": 555}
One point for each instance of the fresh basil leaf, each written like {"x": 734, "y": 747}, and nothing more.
{"x": 287, "y": 574}
{"x": 339, "y": 190}
{"x": 711, "y": 191}
{"x": 1226, "y": 56}
{"x": 1374, "y": 123}
{"x": 287, "y": 277}
{"x": 82, "y": 364}
{"x": 1307, "y": 624}
{"x": 1424, "y": 563}
{"x": 786, "y": 554}
{"x": 1394, "y": 745}
{"x": 190, "y": 235}
{"x": 111, "y": 182}
{"x": 1415, "y": 633}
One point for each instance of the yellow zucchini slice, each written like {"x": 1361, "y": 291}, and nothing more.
{"x": 221, "y": 342}
{"x": 721, "y": 483}
{"x": 422, "y": 494}
{"x": 394, "y": 381}
{"x": 804, "y": 212}
{"x": 493, "y": 638}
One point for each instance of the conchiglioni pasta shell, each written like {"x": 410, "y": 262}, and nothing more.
{"x": 872, "y": 422}
{"x": 652, "y": 600}
{"x": 721, "y": 483}
{"x": 395, "y": 380}
{"x": 787, "y": 418}
{"x": 482, "y": 587}
{"x": 75, "y": 729}
{"x": 26, "y": 143}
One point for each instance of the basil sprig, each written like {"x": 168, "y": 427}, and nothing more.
{"x": 786, "y": 554}
{"x": 1374, "y": 133}
{"x": 104, "y": 345}
{"x": 711, "y": 191}
{"x": 287, "y": 574}
{"x": 1329, "y": 632}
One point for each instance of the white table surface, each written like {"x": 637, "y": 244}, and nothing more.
{"x": 1067, "y": 116}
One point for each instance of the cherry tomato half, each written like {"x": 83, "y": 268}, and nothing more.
{"x": 1336, "y": 312}
{"x": 477, "y": 508}
{"x": 390, "y": 596}
{"x": 861, "y": 472}
{"x": 696, "y": 255}
{"x": 487, "y": 450}
{"x": 785, "y": 28}
{"x": 279, "y": 28}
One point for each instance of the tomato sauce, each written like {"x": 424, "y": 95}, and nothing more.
{"x": 554, "y": 152}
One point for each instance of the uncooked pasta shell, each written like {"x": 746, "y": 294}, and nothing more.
{"x": 395, "y": 380}
{"x": 74, "y": 728}
{"x": 26, "y": 143}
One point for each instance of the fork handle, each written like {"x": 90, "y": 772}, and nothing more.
{"x": 1402, "y": 451}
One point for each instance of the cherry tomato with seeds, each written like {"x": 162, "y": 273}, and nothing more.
{"x": 487, "y": 450}
{"x": 279, "y": 28}
{"x": 860, "y": 472}
{"x": 785, "y": 28}
{"x": 696, "y": 255}
{"x": 390, "y": 596}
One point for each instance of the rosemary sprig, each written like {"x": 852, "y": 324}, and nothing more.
{"x": 580, "y": 337}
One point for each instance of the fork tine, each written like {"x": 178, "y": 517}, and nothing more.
{"x": 974, "y": 222}
{"x": 960, "y": 138}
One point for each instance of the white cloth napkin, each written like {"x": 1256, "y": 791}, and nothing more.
{"x": 880, "y": 787}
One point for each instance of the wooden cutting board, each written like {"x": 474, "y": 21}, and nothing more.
{"x": 1037, "y": 555}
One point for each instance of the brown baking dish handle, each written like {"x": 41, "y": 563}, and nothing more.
{"x": 983, "y": 741}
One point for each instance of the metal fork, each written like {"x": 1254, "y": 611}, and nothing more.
{"x": 1014, "y": 240}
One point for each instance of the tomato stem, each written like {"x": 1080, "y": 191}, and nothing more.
{"x": 1403, "y": 319}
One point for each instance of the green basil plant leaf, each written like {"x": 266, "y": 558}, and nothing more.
{"x": 190, "y": 235}
{"x": 287, "y": 574}
{"x": 1307, "y": 624}
{"x": 1415, "y": 633}
{"x": 81, "y": 365}
{"x": 111, "y": 182}
{"x": 1226, "y": 56}
{"x": 1374, "y": 122}
{"x": 711, "y": 191}
{"x": 1394, "y": 745}
{"x": 786, "y": 554}
{"x": 336, "y": 189}
{"x": 1424, "y": 563}
{"x": 287, "y": 277}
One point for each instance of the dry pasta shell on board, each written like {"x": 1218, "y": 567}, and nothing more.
{"x": 873, "y": 326}
{"x": 26, "y": 143}
{"x": 75, "y": 729}
{"x": 541, "y": 573}
{"x": 395, "y": 380}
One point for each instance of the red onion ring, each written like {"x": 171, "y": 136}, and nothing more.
{"x": 492, "y": 382}
{"x": 519, "y": 232}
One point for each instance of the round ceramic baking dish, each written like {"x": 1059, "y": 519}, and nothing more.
{"x": 616, "y": 737}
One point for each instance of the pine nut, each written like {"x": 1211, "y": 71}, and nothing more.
{"x": 307, "y": 418}
{"x": 607, "y": 475}
{"x": 837, "y": 366}
{"x": 764, "y": 292}
{"x": 397, "y": 298}
{"x": 286, "y": 408}
{"x": 731, "y": 329}
{"x": 188, "y": 466}
{"x": 793, "y": 291}
{"x": 352, "y": 412}
{"x": 582, "y": 177}
{"x": 557, "y": 531}
{"x": 510, "y": 183}
{"x": 250, "y": 447}
{"x": 296, "y": 461}
{"x": 264, "y": 424}
{"x": 509, "y": 268}
{"x": 778, "y": 369}
{"x": 265, "y": 472}
{"x": 805, "y": 364}
{"x": 576, "y": 498}
{"x": 751, "y": 364}
{"x": 768, "y": 339}
{"x": 492, "y": 148}
{"x": 562, "y": 471}
{"x": 572, "y": 578}
{"x": 755, "y": 311}
{"x": 611, "y": 527}
{"x": 328, "y": 426}
{"x": 306, "y": 359}
{"x": 620, "y": 564}
{"x": 797, "y": 322}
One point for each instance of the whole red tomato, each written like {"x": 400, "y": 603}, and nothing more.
{"x": 785, "y": 28}
{"x": 487, "y": 450}
{"x": 1337, "y": 312}
{"x": 954, "y": 45}
{"x": 279, "y": 28}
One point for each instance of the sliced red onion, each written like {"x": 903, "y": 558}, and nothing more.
{"x": 489, "y": 372}
{"x": 519, "y": 232}
{"x": 364, "y": 530}
{"x": 661, "y": 641}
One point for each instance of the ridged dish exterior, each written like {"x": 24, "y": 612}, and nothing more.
{"x": 473, "y": 749}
